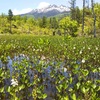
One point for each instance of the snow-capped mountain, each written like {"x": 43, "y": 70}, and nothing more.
{"x": 51, "y": 10}
{"x": 60, "y": 8}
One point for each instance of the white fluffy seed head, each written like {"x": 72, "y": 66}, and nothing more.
{"x": 14, "y": 82}
{"x": 74, "y": 48}
{"x": 83, "y": 60}
{"x": 81, "y": 52}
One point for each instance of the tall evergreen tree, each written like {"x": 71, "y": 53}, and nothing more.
{"x": 10, "y": 18}
{"x": 78, "y": 15}
{"x": 72, "y": 9}
{"x": 44, "y": 21}
{"x": 54, "y": 23}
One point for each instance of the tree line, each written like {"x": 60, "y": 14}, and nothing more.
{"x": 80, "y": 22}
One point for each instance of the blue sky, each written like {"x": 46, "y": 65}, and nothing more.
{"x": 23, "y": 6}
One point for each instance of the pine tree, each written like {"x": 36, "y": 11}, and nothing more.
{"x": 10, "y": 18}
{"x": 78, "y": 15}
{"x": 44, "y": 21}
{"x": 72, "y": 9}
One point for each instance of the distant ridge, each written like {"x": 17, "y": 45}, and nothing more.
{"x": 51, "y": 10}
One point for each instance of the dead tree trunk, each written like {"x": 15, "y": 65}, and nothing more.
{"x": 94, "y": 17}
{"x": 83, "y": 16}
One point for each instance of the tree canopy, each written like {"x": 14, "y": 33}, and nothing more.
{"x": 80, "y": 20}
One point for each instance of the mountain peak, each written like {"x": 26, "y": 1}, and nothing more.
{"x": 60, "y": 8}
{"x": 53, "y": 5}
{"x": 50, "y": 10}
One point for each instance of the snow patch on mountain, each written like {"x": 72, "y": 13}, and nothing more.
{"x": 60, "y": 8}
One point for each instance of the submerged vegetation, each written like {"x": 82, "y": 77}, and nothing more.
{"x": 48, "y": 67}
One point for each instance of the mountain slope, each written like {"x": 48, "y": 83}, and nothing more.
{"x": 51, "y": 10}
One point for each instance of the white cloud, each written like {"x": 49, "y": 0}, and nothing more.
{"x": 23, "y": 11}
{"x": 43, "y": 5}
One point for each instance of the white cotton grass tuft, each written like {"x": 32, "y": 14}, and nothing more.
{"x": 96, "y": 48}
{"x": 74, "y": 47}
{"x": 43, "y": 57}
{"x": 14, "y": 82}
{"x": 83, "y": 60}
{"x": 83, "y": 47}
{"x": 88, "y": 48}
{"x": 81, "y": 52}
{"x": 33, "y": 49}
{"x": 65, "y": 69}
{"x": 92, "y": 53}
